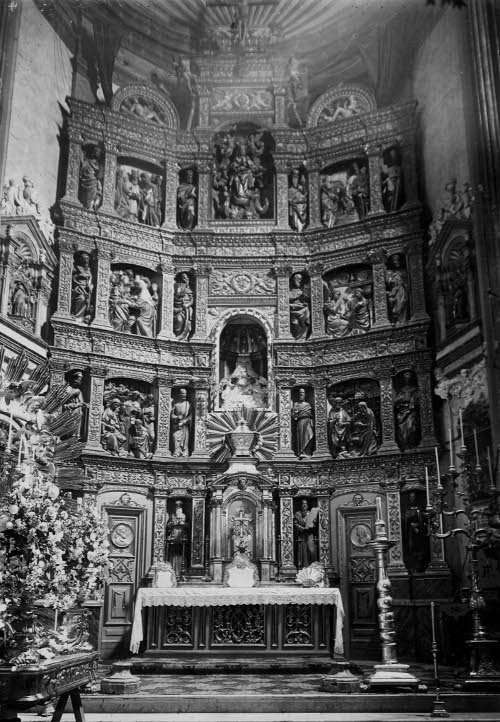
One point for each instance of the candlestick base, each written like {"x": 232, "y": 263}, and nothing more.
{"x": 438, "y": 709}
{"x": 484, "y": 673}
{"x": 393, "y": 675}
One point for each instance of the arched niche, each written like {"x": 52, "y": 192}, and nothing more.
{"x": 134, "y": 299}
{"x": 243, "y": 364}
{"x": 354, "y": 420}
{"x": 243, "y": 179}
{"x": 344, "y": 192}
{"x": 139, "y": 191}
{"x": 146, "y": 104}
{"x": 341, "y": 103}
{"x": 129, "y": 418}
{"x": 241, "y": 522}
{"x": 348, "y": 300}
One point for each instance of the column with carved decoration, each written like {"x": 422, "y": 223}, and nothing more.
{"x": 377, "y": 258}
{"x": 283, "y": 273}
{"x": 66, "y": 266}
{"x": 216, "y": 535}
{"x": 267, "y": 558}
{"x": 204, "y": 180}
{"x": 160, "y": 523}
{"x": 167, "y": 301}
{"x": 387, "y": 412}
{"x": 6, "y": 276}
{"x": 324, "y": 548}
{"x": 287, "y": 565}
{"x": 416, "y": 273}
{"x": 281, "y": 165}
{"x": 204, "y": 95}
{"x": 410, "y": 184}
{"x": 200, "y": 429}
{"x": 197, "y": 565}
{"x": 320, "y": 418}
{"x": 98, "y": 375}
{"x": 317, "y": 314}
{"x": 285, "y": 416}
{"x": 73, "y": 169}
{"x": 201, "y": 302}
{"x": 109, "y": 180}
{"x": 425, "y": 404}
{"x": 101, "y": 319}
{"x": 42, "y": 304}
{"x": 163, "y": 409}
{"x": 395, "y": 565}
{"x": 280, "y": 106}
{"x": 376, "y": 205}
{"x": 314, "y": 198}
{"x": 170, "y": 197}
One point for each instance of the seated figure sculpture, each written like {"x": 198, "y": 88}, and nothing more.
{"x": 241, "y": 572}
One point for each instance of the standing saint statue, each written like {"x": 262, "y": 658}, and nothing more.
{"x": 407, "y": 413}
{"x": 81, "y": 293}
{"x": 300, "y": 312}
{"x": 396, "y": 280}
{"x": 302, "y": 414}
{"x": 415, "y": 536}
{"x": 183, "y": 307}
{"x": 305, "y": 522}
{"x": 186, "y": 202}
{"x": 91, "y": 178}
{"x": 177, "y": 538}
{"x": 297, "y": 201}
{"x": 339, "y": 424}
{"x": 181, "y": 418}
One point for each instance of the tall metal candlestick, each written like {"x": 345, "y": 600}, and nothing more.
{"x": 438, "y": 708}
{"x": 427, "y": 486}
{"x": 438, "y": 471}
{"x": 461, "y": 428}
{"x": 452, "y": 465}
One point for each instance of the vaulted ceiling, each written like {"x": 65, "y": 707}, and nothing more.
{"x": 367, "y": 41}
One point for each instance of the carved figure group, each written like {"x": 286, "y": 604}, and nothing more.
{"x": 243, "y": 387}
{"x": 344, "y": 195}
{"x": 347, "y": 310}
{"x": 398, "y": 295}
{"x": 300, "y": 311}
{"x": 91, "y": 177}
{"x": 415, "y": 535}
{"x": 181, "y": 419}
{"x": 352, "y": 434}
{"x": 297, "y": 201}
{"x": 24, "y": 201}
{"x": 133, "y": 303}
{"x": 143, "y": 108}
{"x": 238, "y": 183}
{"x": 138, "y": 196}
{"x": 83, "y": 285}
{"x": 128, "y": 422}
{"x": 187, "y": 202}
{"x": 183, "y": 307}
{"x": 453, "y": 204}
{"x": 343, "y": 108}
{"x": 302, "y": 414}
{"x": 407, "y": 412}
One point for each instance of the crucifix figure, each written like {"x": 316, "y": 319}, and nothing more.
{"x": 242, "y": 532}
{"x": 241, "y": 13}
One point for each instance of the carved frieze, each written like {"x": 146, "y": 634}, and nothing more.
{"x": 242, "y": 282}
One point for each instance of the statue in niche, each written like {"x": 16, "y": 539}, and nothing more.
{"x": 28, "y": 201}
{"x": 186, "y": 202}
{"x": 177, "y": 538}
{"x": 243, "y": 387}
{"x": 183, "y": 307}
{"x": 392, "y": 182}
{"x": 344, "y": 193}
{"x": 150, "y": 202}
{"x": 91, "y": 178}
{"x": 181, "y": 419}
{"x": 239, "y": 178}
{"x": 347, "y": 309}
{"x": 302, "y": 414}
{"x": 119, "y": 301}
{"x": 75, "y": 400}
{"x": 10, "y": 200}
{"x": 142, "y": 108}
{"x": 20, "y": 301}
{"x": 407, "y": 411}
{"x": 300, "y": 312}
{"x": 241, "y": 529}
{"x": 398, "y": 296}
{"x": 415, "y": 536}
{"x": 358, "y": 189}
{"x": 339, "y": 425}
{"x": 243, "y": 367}
{"x": 128, "y": 421}
{"x": 128, "y": 194}
{"x": 132, "y": 308}
{"x": 81, "y": 292}
{"x": 306, "y": 522}
{"x": 297, "y": 201}
{"x": 142, "y": 309}
{"x": 364, "y": 436}
{"x": 344, "y": 108}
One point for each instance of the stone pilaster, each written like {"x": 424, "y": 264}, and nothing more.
{"x": 204, "y": 108}
{"x": 167, "y": 301}
{"x": 285, "y": 416}
{"x": 73, "y": 171}
{"x": 42, "y": 304}
{"x": 324, "y": 549}
{"x": 101, "y": 318}
{"x": 320, "y": 418}
{"x": 376, "y": 205}
{"x": 109, "y": 180}
{"x": 387, "y": 413}
{"x": 314, "y": 199}
{"x": 416, "y": 274}
{"x": 288, "y": 568}
{"x": 267, "y": 558}
{"x": 6, "y": 278}
{"x": 281, "y": 166}
{"x": 396, "y": 565}
{"x": 204, "y": 179}
{"x": 216, "y": 537}
{"x": 160, "y": 511}
{"x": 425, "y": 403}
{"x": 317, "y": 302}
{"x": 97, "y": 378}
{"x": 409, "y": 174}
{"x": 163, "y": 410}
{"x": 65, "y": 269}
{"x": 202, "y": 274}
{"x": 170, "y": 198}
{"x": 283, "y": 273}
{"x": 198, "y": 532}
{"x": 279, "y": 106}
{"x": 200, "y": 429}
{"x": 377, "y": 259}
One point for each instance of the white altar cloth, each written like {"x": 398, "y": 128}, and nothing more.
{"x": 224, "y": 596}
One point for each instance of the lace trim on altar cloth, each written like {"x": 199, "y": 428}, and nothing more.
{"x": 223, "y": 596}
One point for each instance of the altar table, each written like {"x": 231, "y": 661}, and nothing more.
{"x": 284, "y": 619}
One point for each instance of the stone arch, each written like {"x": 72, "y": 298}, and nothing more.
{"x": 364, "y": 102}
{"x": 159, "y": 104}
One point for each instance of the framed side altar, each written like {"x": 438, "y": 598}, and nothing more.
{"x": 215, "y": 620}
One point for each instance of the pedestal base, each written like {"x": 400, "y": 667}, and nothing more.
{"x": 122, "y": 681}
{"x": 393, "y": 675}
{"x": 484, "y": 673}
{"x": 342, "y": 681}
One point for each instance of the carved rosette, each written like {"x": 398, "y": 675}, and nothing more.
{"x": 167, "y": 301}
{"x": 98, "y": 375}
{"x": 394, "y": 514}
{"x": 163, "y": 423}
{"x": 102, "y": 291}
{"x": 73, "y": 172}
{"x": 286, "y": 509}
{"x": 159, "y": 530}
{"x": 324, "y": 530}
{"x": 387, "y": 415}
{"x": 109, "y": 181}
{"x": 318, "y": 318}
{"x": 202, "y": 278}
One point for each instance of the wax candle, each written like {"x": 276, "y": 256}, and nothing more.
{"x": 379, "y": 508}
{"x": 433, "y": 623}
{"x": 490, "y": 468}
{"x": 461, "y": 428}
{"x": 451, "y": 449}
{"x": 475, "y": 447}
{"x": 437, "y": 467}
{"x": 427, "y": 485}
